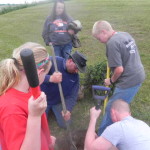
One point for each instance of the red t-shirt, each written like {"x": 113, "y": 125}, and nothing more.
{"x": 13, "y": 120}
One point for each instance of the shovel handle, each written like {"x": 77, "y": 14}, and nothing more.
{"x": 97, "y": 107}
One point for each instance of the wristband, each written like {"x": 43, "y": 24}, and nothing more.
{"x": 111, "y": 82}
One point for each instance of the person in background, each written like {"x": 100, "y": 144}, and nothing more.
{"x": 55, "y": 30}
{"x": 70, "y": 85}
{"x": 125, "y": 63}
{"x": 20, "y": 114}
{"x": 126, "y": 133}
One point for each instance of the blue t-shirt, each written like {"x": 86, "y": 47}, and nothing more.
{"x": 128, "y": 134}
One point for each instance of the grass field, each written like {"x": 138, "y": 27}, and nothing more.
{"x": 131, "y": 16}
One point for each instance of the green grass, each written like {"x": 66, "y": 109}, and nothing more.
{"x": 131, "y": 16}
{"x": 9, "y": 8}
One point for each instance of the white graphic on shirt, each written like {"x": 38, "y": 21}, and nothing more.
{"x": 72, "y": 80}
{"x": 131, "y": 47}
{"x": 60, "y": 24}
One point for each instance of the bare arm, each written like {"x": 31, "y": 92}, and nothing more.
{"x": 117, "y": 73}
{"x": 102, "y": 144}
{"x": 90, "y": 135}
{"x": 32, "y": 139}
{"x": 91, "y": 141}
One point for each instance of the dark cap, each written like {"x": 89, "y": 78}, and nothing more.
{"x": 80, "y": 60}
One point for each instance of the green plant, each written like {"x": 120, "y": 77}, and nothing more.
{"x": 95, "y": 75}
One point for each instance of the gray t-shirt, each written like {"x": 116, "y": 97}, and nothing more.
{"x": 121, "y": 50}
{"x": 128, "y": 134}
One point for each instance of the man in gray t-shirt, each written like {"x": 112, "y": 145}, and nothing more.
{"x": 125, "y": 63}
{"x": 126, "y": 133}
{"x": 122, "y": 51}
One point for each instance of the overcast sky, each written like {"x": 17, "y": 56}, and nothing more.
{"x": 17, "y": 1}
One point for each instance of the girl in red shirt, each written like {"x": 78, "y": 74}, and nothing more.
{"x": 20, "y": 114}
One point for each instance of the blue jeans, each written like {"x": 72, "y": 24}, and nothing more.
{"x": 57, "y": 109}
{"x": 124, "y": 94}
{"x": 60, "y": 50}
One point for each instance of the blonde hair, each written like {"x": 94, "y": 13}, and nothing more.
{"x": 120, "y": 106}
{"x": 10, "y": 68}
{"x": 101, "y": 25}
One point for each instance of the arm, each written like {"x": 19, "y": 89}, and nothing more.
{"x": 56, "y": 77}
{"x": 53, "y": 76}
{"x": 91, "y": 142}
{"x": 72, "y": 98}
{"x": 90, "y": 135}
{"x": 71, "y": 101}
{"x": 32, "y": 139}
{"x": 114, "y": 55}
{"x": 22, "y": 124}
{"x": 45, "y": 33}
{"x": 71, "y": 32}
{"x": 117, "y": 73}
